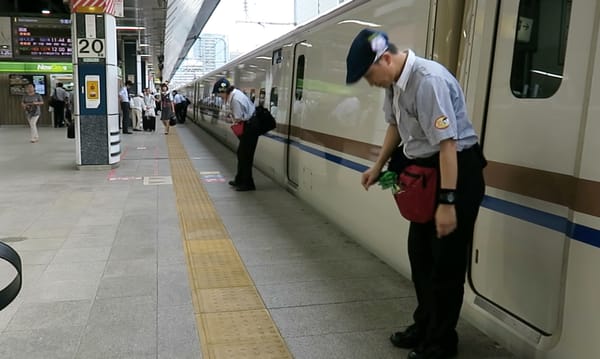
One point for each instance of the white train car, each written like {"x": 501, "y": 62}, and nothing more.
{"x": 529, "y": 73}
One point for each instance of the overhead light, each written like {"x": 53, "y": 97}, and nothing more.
{"x": 263, "y": 58}
{"x": 46, "y": 12}
{"x": 145, "y": 55}
{"x": 359, "y": 22}
{"x": 144, "y": 45}
{"x": 131, "y": 28}
{"x": 544, "y": 73}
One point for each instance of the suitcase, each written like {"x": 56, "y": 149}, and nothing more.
{"x": 149, "y": 123}
{"x": 71, "y": 130}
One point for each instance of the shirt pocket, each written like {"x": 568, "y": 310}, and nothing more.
{"x": 411, "y": 125}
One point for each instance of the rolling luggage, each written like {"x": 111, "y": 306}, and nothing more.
{"x": 149, "y": 123}
{"x": 71, "y": 130}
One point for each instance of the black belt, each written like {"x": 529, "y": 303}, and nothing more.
{"x": 8, "y": 294}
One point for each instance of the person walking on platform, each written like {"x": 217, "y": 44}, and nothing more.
{"x": 167, "y": 108}
{"x": 425, "y": 109}
{"x": 125, "y": 107}
{"x": 31, "y": 103}
{"x": 241, "y": 110}
{"x": 60, "y": 99}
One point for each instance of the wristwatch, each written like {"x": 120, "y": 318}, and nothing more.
{"x": 447, "y": 196}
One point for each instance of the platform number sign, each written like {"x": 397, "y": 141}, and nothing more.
{"x": 90, "y": 47}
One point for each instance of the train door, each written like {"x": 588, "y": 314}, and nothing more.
{"x": 531, "y": 135}
{"x": 296, "y": 114}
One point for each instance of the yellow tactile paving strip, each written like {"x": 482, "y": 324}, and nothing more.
{"x": 232, "y": 320}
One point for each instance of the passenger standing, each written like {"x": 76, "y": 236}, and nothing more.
{"x": 167, "y": 107}
{"x": 61, "y": 97}
{"x": 31, "y": 103}
{"x": 149, "y": 111}
{"x": 125, "y": 107}
{"x": 425, "y": 108}
{"x": 137, "y": 106}
{"x": 179, "y": 101}
{"x": 242, "y": 109}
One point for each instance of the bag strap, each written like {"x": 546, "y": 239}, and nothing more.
{"x": 8, "y": 294}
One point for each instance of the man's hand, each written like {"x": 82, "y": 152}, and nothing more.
{"x": 445, "y": 219}
{"x": 369, "y": 177}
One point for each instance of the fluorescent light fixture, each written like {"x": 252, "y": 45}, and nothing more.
{"x": 306, "y": 44}
{"x": 144, "y": 45}
{"x": 544, "y": 73}
{"x": 46, "y": 12}
{"x": 130, "y": 28}
{"x": 145, "y": 55}
{"x": 263, "y": 58}
{"x": 359, "y": 22}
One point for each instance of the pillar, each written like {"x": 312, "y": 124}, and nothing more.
{"x": 96, "y": 106}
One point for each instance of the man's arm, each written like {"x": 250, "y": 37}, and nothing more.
{"x": 448, "y": 164}
{"x": 445, "y": 215}
{"x": 390, "y": 142}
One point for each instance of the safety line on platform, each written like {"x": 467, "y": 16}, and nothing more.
{"x": 231, "y": 317}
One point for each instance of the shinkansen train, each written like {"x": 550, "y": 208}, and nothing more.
{"x": 528, "y": 70}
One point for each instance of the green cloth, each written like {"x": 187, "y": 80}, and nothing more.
{"x": 389, "y": 179}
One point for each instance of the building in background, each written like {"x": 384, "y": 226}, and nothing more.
{"x": 212, "y": 49}
{"x": 239, "y": 26}
{"x": 210, "y": 52}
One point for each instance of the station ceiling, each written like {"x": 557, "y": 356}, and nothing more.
{"x": 170, "y": 27}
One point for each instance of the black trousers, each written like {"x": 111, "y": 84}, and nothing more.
{"x": 126, "y": 120}
{"x": 180, "y": 112}
{"x": 439, "y": 265}
{"x": 59, "y": 114}
{"x": 245, "y": 156}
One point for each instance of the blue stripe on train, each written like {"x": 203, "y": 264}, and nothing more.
{"x": 560, "y": 224}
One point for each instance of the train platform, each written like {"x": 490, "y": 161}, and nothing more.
{"x": 160, "y": 258}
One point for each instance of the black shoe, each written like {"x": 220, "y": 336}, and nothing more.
{"x": 245, "y": 188}
{"x": 233, "y": 183}
{"x": 407, "y": 339}
{"x": 136, "y": 129}
{"x": 127, "y": 133}
{"x": 433, "y": 352}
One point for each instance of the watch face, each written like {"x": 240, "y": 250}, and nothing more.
{"x": 450, "y": 197}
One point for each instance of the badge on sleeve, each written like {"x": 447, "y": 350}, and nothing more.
{"x": 442, "y": 123}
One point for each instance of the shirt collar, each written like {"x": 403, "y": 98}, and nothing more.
{"x": 407, "y": 70}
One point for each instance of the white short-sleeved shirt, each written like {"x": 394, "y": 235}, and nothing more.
{"x": 240, "y": 105}
{"x": 124, "y": 94}
{"x": 428, "y": 106}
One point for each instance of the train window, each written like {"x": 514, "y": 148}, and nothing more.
{"x": 540, "y": 46}
{"x": 274, "y": 97}
{"x": 261, "y": 97}
{"x": 277, "y": 57}
{"x": 300, "y": 78}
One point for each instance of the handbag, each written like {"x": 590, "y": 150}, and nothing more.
{"x": 416, "y": 198}
{"x": 265, "y": 120}
{"x": 238, "y": 128}
{"x": 53, "y": 99}
{"x": 10, "y": 292}
{"x": 173, "y": 120}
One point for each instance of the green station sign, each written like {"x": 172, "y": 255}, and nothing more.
{"x": 36, "y": 67}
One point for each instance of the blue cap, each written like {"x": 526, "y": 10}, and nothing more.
{"x": 221, "y": 85}
{"x": 366, "y": 48}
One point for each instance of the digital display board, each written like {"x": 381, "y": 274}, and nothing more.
{"x": 36, "y": 37}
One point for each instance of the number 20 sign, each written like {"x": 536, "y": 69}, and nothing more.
{"x": 89, "y": 47}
